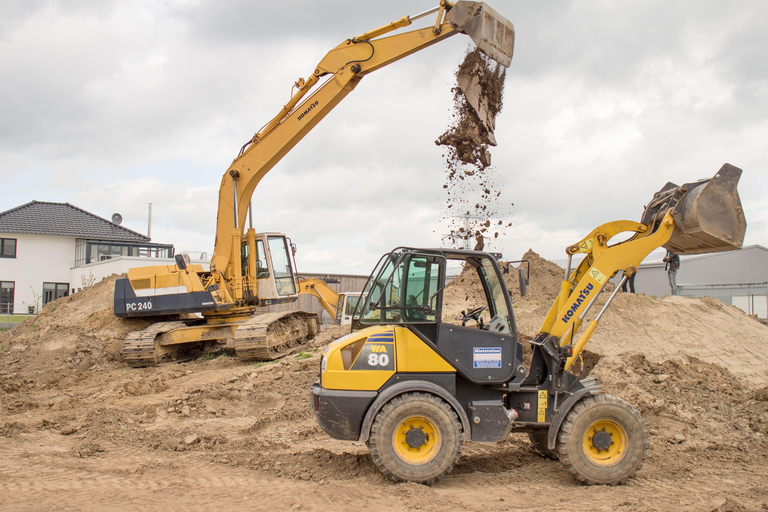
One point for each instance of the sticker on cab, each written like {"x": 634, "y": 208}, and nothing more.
{"x": 486, "y": 357}
{"x": 377, "y": 354}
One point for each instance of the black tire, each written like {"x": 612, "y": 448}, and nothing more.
{"x": 539, "y": 441}
{"x": 416, "y": 437}
{"x": 603, "y": 440}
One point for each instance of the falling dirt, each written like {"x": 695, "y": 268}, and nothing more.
{"x": 474, "y": 203}
{"x": 81, "y": 431}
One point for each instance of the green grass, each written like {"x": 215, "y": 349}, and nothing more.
{"x": 14, "y": 319}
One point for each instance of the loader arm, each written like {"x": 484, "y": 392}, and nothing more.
{"x": 337, "y": 74}
{"x": 695, "y": 218}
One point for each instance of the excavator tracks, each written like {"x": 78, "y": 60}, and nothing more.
{"x": 269, "y": 336}
{"x": 140, "y": 348}
{"x": 263, "y": 337}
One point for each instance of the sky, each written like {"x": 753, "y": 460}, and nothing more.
{"x": 111, "y": 105}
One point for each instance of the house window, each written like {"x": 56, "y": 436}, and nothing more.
{"x": 52, "y": 291}
{"x": 94, "y": 251}
{"x": 6, "y": 297}
{"x": 7, "y": 247}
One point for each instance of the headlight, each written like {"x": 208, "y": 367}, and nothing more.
{"x": 323, "y": 364}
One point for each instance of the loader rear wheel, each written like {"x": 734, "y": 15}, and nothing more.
{"x": 539, "y": 442}
{"x": 415, "y": 437}
{"x": 603, "y": 440}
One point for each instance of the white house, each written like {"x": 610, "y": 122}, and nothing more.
{"x": 49, "y": 250}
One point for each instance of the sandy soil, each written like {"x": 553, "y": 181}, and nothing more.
{"x": 80, "y": 431}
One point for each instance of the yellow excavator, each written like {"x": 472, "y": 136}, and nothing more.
{"x": 414, "y": 386}
{"x": 251, "y": 270}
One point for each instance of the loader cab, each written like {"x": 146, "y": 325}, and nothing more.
{"x": 408, "y": 287}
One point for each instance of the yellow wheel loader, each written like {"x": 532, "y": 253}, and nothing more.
{"x": 250, "y": 270}
{"x": 414, "y": 386}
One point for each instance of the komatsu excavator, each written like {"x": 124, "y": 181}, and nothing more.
{"x": 413, "y": 386}
{"x": 250, "y": 270}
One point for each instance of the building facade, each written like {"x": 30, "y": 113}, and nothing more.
{"x": 737, "y": 278}
{"x": 49, "y": 250}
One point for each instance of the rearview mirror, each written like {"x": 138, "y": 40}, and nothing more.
{"x": 522, "y": 275}
{"x": 181, "y": 262}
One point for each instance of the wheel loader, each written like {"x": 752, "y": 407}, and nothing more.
{"x": 414, "y": 385}
{"x": 250, "y": 271}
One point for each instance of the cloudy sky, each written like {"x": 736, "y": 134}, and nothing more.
{"x": 111, "y": 105}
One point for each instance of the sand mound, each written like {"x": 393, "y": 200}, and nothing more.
{"x": 687, "y": 330}
{"x": 466, "y": 292}
{"x": 78, "y": 332}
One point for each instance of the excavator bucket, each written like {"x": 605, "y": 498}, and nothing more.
{"x": 708, "y": 214}
{"x": 490, "y": 31}
{"x": 478, "y": 81}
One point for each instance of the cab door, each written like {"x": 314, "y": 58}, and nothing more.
{"x": 487, "y": 354}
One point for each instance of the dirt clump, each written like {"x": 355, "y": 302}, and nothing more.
{"x": 478, "y": 97}
{"x": 474, "y": 201}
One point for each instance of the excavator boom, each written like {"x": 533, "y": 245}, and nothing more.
{"x": 252, "y": 270}
{"x": 341, "y": 70}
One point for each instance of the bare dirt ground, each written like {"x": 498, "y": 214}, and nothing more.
{"x": 80, "y": 431}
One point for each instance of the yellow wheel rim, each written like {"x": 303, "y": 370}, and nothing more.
{"x": 604, "y": 443}
{"x": 416, "y": 440}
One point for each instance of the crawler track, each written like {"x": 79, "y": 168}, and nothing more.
{"x": 263, "y": 337}
{"x": 140, "y": 348}
{"x": 269, "y": 336}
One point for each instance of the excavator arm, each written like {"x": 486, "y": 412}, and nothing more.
{"x": 337, "y": 74}
{"x": 326, "y": 296}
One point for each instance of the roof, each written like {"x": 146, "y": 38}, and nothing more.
{"x": 657, "y": 259}
{"x": 63, "y": 219}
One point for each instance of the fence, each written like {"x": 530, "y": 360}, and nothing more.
{"x": 10, "y": 318}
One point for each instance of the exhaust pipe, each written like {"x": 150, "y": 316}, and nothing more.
{"x": 708, "y": 214}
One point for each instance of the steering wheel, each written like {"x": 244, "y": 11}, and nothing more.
{"x": 473, "y": 315}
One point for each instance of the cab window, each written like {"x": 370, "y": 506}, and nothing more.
{"x": 403, "y": 291}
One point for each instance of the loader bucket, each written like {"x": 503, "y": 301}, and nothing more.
{"x": 491, "y": 32}
{"x": 708, "y": 214}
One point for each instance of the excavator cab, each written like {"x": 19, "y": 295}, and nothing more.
{"x": 273, "y": 268}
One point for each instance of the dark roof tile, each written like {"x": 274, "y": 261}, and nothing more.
{"x": 63, "y": 219}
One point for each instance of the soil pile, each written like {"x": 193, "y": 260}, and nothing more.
{"x": 473, "y": 198}
{"x": 685, "y": 329}
{"x": 466, "y": 292}
{"x": 77, "y": 332}
{"x": 214, "y": 432}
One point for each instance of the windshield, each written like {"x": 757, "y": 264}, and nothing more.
{"x": 403, "y": 290}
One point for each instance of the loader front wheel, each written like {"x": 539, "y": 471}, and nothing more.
{"x": 415, "y": 437}
{"x": 603, "y": 440}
